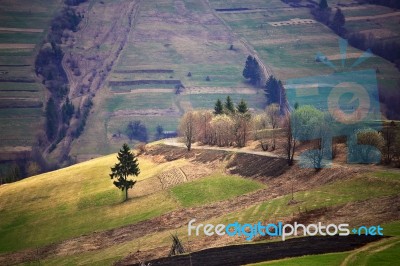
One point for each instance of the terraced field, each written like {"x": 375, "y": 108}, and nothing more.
{"x": 169, "y": 40}
{"x": 22, "y": 96}
{"x": 292, "y": 55}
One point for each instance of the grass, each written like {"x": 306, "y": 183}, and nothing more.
{"x": 338, "y": 193}
{"x": 82, "y": 199}
{"x": 213, "y": 188}
{"x": 70, "y": 202}
{"x": 140, "y": 101}
{"x": 330, "y": 259}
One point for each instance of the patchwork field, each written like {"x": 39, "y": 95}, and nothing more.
{"x": 23, "y": 27}
{"x": 169, "y": 40}
{"x": 292, "y": 55}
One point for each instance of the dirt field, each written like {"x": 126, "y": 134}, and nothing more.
{"x": 394, "y": 14}
{"x": 17, "y": 45}
{"x": 20, "y": 29}
{"x": 240, "y": 254}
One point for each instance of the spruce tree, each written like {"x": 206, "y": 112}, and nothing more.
{"x": 51, "y": 119}
{"x": 252, "y": 70}
{"x": 218, "y": 108}
{"x": 127, "y": 165}
{"x": 338, "y": 21}
{"x": 242, "y": 107}
{"x": 229, "y": 105}
{"x": 255, "y": 74}
{"x": 248, "y": 67}
{"x": 323, "y": 4}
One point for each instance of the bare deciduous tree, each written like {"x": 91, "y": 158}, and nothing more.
{"x": 290, "y": 141}
{"x": 273, "y": 115}
{"x": 186, "y": 129}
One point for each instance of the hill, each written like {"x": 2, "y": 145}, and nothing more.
{"x": 78, "y": 215}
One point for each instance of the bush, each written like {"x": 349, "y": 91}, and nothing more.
{"x": 137, "y": 130}
{"x": 141, "y": 147}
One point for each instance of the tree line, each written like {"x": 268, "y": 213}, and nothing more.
{"x": 229, "y": 125}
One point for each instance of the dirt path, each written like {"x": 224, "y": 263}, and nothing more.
{"x": 116, "y": 36}
{"x": 266, "y": 71}
{"x": 174, "y": 142}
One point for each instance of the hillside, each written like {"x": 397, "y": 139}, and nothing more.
{"x": 79, "y": 216}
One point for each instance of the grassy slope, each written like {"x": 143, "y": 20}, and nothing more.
{"x": 87, "y": 185}
{"x": 81, "y": 199}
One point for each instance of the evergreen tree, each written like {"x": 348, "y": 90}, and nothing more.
{"x": 248, "y": 67}
{"x": 218, "y": 108}
{"x": 160, "y": 132}
{"x": 255, "y": 75}
{"x": 323, "y": 4}
{"x": 127, "y": 165}
{"x": 252, "y": 70}
{"x": 242, "y": 107}
{"x": 274, "y": 91}
{"x": 67, "y": 111}
{"x": 229, "y": 105}
{"x": 51, "y": 119}
{"x": 338, "y": 21}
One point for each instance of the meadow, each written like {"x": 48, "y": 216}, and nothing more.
{"x": 85, "y": 200}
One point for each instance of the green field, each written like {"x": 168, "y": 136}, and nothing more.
{"x": 84, "y": 200}
{"x": 211, "y": 189}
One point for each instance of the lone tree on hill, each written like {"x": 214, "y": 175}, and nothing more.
{"x": 218, "y": 108}
{"x": 127, "y": 165}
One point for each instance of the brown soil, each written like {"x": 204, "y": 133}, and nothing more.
{"x": 373, "y": 17}
{"x": 20, "y": 29}
{"x": 147, "y": 112}
{"x": 143, "y": 82}
{"x": 212, "y": 90}
{"x": 245, "y": 254}
{"x": 17, "y": 45}
{"x": 148, "y": 90}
